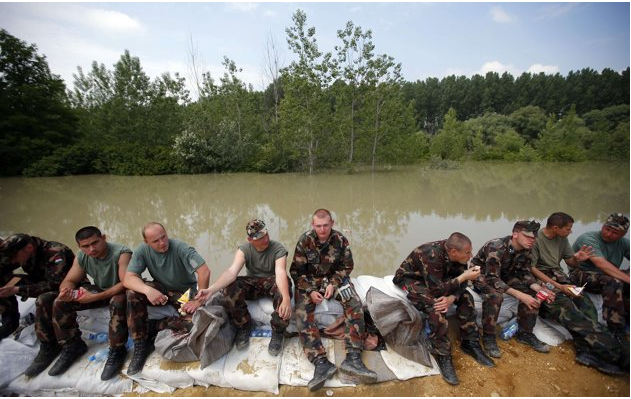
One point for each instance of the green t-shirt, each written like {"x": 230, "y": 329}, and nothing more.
{"x": 547, "y": 253}
{"x": 174, "y": 269}
{"x": 103, "y": 271}
{"x": 614, "y": 252}
{"x": 261, "y": 264}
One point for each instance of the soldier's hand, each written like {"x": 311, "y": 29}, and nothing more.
{"x": 284, "y": 309}
{"x": 203, "y": 295}
{"x": 584, "y": 253}
{"x": 567, "y": 290}
{"x": 471, "y": 274}
{"x": 316, "y": 297}
{"x": 191, "y": 306}
{"x": 530, "y": 301}
{"x": 442, "y": 304}
{"x": 329, "y": 292}
{"x": 156, "y": 297}
{"x": 8, "y": 291}
{"x": 65, "y": 295}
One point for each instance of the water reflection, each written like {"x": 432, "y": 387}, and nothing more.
{"x": 385, "y": 215}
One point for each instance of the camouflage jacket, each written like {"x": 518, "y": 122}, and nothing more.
{"x": 45, "y": 269}
{"x": 314, "y": 260}
{"x": 430, "y": 265}
{"x": 500, "y": 263}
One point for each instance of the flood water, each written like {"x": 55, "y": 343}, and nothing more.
{"x": 385, "y": 215}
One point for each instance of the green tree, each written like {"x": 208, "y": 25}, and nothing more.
{"x": 451, "y": 140}
{"x": 564, "y": 140}
{"x": 35, "y": 116}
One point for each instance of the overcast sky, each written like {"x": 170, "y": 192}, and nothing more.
{"x": 428, "y": 39}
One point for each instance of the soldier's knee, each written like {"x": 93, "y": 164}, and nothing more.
{"x": 46, "y": 299}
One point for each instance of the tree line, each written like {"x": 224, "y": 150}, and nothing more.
{"x": 348, "y": 107}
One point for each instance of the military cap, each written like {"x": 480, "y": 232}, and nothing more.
{"x": 256, "y": 229}
{"x": 527, "y": 227}
{"x": 617, "y": 221}
{"x": 13, "y": 244}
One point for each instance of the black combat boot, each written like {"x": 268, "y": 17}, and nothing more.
{"x": 447, "y": 370}
{"x": 530, "y": 340}
{"x": 70, "y": 352}
{"x": 48, "y": 351}
{"x": 10, "y": 323}
{"x": 142, "y": 349}
{"x": 591, "y": 360}
{"x": 323, "y": 371}
{"x": 621, "y": 336}
{"x": 473, "y": 349}
{"x": 276, "y": 343}
{"x": 114, "y": 362}
{"x": 242, "y": 340}
{"x": 354, "y": 366}
{"x": 490, "y": 344}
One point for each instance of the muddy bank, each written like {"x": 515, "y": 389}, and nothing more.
{"x": 520, "y": 372}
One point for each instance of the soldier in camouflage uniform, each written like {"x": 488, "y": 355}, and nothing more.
{"x": 265, "y": 262}
{"x": 45, "y": 264}
{"x": 434, "y": 276}
{"x": 56, "y": 320}
{"x": 505, "y": 268}
{"x": 321, "y": 269}
{"x": 602, "y": 275}
{"x": 595, "y": 346}
{"x": 175, "y": 267}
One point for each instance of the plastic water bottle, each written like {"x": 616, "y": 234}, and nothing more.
{"x": 130, "y": 343}
{"x": 257, "y": 332}
{"x": 100, "y": 355}
{"x": 426, "y": 330}
{"x": 509, "y": 329}
{"x": 99, "y": 337}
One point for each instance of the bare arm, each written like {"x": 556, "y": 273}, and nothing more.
{"x": 134, "y": 282}
{"x": 610, "y": 269}
{"x": 74, "y": 277}
{"x": 225, "y": 279}
{"x": 280, "y": 271}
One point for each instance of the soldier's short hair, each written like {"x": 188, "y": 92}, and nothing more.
{"x": 457, "y": 241}
{"x": 86, "y": 232}
{"x": 322, "y": 213}
{"x": 559, "y": 219}
{"x": 146, "y": 226}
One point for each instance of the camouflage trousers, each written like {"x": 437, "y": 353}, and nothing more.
{"x": 354, "y": 331}
{"x": 138, "y": 322}
{"x": 56, "y": 321}
{"x": 588, "y": 335}
{"x": 492, "y": 302}
{"x": 615, "y": 296}
{"x": 423, "y": 300}
{"x": 252, "y": 288}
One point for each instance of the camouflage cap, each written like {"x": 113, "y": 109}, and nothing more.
{"x": 618, "y": 221}
{"x": 13, "y": 244}
{"x": 256, "y": 229}
{"x": 527, "y": 227}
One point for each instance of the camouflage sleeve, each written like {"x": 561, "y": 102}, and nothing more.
{"x": 299, "y": 268}
{"x": 347, "y": 264}
{"x": 434, "y": 274}
{"x": 524, "y": 268}
{"x": 56, "y": 267}
{"x": 490, "y": 274}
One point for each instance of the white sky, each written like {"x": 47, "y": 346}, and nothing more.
{"x": 428, "y": 39}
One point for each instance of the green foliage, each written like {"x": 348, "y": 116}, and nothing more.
{"x": 451, "y": 140}
{"x": 35, "y": 118}
{"x": 346, "y": 108}
{"x": 563, "y": 140}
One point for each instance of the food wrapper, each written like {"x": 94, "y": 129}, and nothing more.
{"x": 576, "y": 290}
{"x": 184, "y": 299}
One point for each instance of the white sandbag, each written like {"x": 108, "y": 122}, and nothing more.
{"x": 253, "y": 369}
{"x": 292, "y": 354}
{"x": 95, "y": 320}
{"x": 163, "y": 376}
{"x": 550, "y": 332}
{"x": 15, "y": 358}
{"x": 405, "y": 369}
{"x": 213, "y": 374}
{"x": 392, "y": 289}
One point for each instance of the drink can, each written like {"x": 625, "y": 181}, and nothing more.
{"x": 542, "y": 295}
{"x": 76, "y": 294}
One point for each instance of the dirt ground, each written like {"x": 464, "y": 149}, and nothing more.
{"x": 520, "y": 372}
